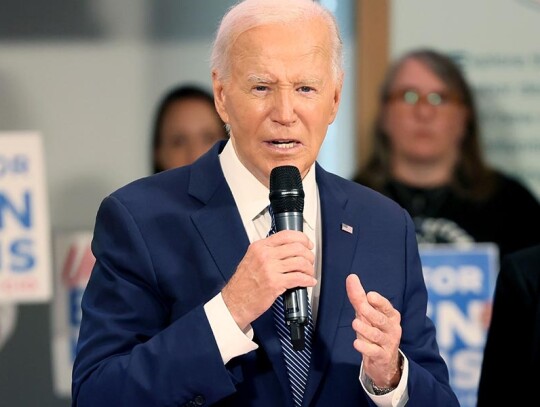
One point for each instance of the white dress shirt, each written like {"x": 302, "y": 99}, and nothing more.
{"x": 252, "y": 199}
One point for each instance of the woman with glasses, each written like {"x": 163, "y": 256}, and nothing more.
{"x": 427, "y": 156}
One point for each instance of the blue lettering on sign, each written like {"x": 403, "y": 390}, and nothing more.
{"x": 18, "y": 164}
{"x": 22, "y": 214}
{"x": 22, "y": 257}
{"x": 17, "y": 255}
{"x": 445, "y": 280}
{"x": 458, "y": 327}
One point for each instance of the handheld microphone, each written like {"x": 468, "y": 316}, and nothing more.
{"x": 287, "y": 201}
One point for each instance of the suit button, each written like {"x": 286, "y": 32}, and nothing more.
{"x": 199, "y": 400}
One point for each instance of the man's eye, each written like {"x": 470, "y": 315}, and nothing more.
{"x": 305, "y": 89}
{"x": 261, "y": 88}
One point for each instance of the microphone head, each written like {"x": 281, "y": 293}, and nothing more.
{"x": 286, "y": 192}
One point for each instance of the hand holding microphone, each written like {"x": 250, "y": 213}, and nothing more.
{"x": 275, "y": 264}
{"x": 287, "y": 203}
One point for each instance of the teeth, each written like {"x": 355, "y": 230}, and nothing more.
{"x": 284, "y": 145}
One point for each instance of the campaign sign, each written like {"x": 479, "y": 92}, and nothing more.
{"x": 73, "y": 264}
{"x": 460, "y": 282}
{"x": 25, "y": 274}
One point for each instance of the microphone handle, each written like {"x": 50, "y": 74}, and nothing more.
{"x": 295, "y": 300}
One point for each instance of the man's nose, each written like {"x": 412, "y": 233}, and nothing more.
{"x": 283, "y": 111}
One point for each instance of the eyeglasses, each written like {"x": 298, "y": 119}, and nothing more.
{"x": 412, "y": 97}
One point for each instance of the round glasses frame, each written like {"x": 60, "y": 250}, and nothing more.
{"x": 414, "y": 97}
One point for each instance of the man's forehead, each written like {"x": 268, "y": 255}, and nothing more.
{"x": 267, "y": 35}
{"x": 255, "y": 62}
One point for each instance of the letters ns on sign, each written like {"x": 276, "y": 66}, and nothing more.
{"x": 19, "y": 212}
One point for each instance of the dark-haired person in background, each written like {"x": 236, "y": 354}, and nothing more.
{"x": 427, "y": 157}
{"x": 513, "y": 341}
{"x": 186, "y": 125}
{"x": 179, "y": 309}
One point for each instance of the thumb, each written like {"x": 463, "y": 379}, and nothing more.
{"x": 355, "y": 292}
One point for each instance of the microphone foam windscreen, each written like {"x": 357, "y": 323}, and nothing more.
{"x": 286, "y": 191}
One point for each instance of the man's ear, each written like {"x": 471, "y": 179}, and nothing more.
{"x": 219, "y": 97}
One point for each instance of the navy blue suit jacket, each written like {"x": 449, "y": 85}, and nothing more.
{"x": 166, "y": 244}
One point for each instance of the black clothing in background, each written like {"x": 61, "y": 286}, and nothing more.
{"x": 510, "y": 217}
{"x": 512, "y": 352}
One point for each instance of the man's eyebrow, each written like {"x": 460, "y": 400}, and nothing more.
{"x": 310, "y": 81}
{"x": 254, "y": 78}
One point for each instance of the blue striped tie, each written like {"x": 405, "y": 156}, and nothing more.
{"x": 297, "y": 362}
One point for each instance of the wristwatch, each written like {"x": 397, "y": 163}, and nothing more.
{"x": 379, "y": 391}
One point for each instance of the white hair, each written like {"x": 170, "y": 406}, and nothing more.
{"x": 248, "y": 14}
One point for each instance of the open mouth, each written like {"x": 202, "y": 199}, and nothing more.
{"x": 284, "y": 144}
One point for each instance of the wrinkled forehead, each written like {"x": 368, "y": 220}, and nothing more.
{"x": 268, "y": 43}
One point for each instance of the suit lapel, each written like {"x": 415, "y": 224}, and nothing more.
{"x": 220, "y": 226}
{"x": 218, "y": 221}
{"x": 338, "y": 247}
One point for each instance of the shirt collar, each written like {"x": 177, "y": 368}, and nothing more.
{"x": 252, "y": 197}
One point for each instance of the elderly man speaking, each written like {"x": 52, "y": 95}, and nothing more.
{"x": 200, "y": 297}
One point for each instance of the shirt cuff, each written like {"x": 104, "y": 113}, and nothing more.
{"x": 231, "y": 340}
{"x": 397, "y": 397}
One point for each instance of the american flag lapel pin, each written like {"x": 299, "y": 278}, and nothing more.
{"x": 347, "y": 228}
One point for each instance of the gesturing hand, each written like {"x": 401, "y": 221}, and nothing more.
{"x": 270, "y": 266}
{"x": 378, "y": 333}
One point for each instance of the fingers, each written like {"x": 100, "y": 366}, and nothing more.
{"x": 289, "y": 236}
{"x": 381, "y": 304}
{"x": 289, "y": 252}
{"x": 269, "y": 267}
{"x": 293, "y": 250}
{"x": 371, "y": 312}
{"x": 367, "y": 333}
{"x": 378, "y": 332}
{"x": 295, "y": 264}
{"x": 371, "y": 307}
{"x": 296, "y": 279}
{"x": 355, "y": 292}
